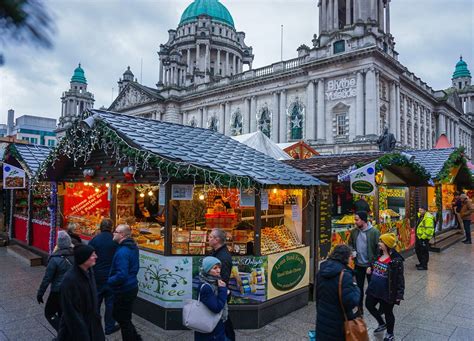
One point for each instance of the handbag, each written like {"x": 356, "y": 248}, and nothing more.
{"x": 356, "y": 329}
{"x": 198, "y": 317}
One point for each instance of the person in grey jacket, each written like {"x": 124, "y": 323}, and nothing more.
{"x": 59, "y": 263}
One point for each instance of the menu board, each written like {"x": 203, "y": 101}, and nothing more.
{"x": 324, "y": 222}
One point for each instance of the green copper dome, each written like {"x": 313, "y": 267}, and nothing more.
{"x": 78, "y": 76}
{"x": 461, "y": 69}
{"x": 212, "y": 8}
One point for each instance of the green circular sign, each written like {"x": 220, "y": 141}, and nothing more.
{"x": 288, "y": 271}
{"x": 362, "y": 186}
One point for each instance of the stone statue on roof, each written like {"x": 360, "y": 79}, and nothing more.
{"x": 386, "y": 141}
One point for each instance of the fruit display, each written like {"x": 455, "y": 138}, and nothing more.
{"x": 348, "y": 219}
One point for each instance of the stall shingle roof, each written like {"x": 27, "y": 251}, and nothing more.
{"x": 204, "y": 148}
{"x": 32, "y": 155}
{"x": 432, "y": 159}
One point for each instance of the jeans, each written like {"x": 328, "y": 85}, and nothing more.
{"x": 122, "y": 313}
{"x": 467, "y": 229}
{"x": 422, "y": 249}
{"x": 386, "y": 308}
{"x": 52, "y": 309}
{"x": 360, "y": 274}
{"x": 104, "y": 293}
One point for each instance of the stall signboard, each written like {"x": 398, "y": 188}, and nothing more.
{"x": 165, "y": 281}
{"x": 13, "y": 177}
{"x": 248, "y": 279}
{"x": 182, "y": 192}
{"x": 288, "y": 271}
{"x": 84, "y": 200}
{"x": 363, "y": 180}
{"x": 247, "y": 199}
{"x": 324, "y": 222}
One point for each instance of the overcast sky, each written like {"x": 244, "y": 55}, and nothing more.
{"x": 108, "y": 35}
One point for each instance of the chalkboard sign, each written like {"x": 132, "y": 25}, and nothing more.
{"x": 324, "y": 222}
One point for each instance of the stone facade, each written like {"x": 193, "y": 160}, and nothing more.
{"x": 337, "y": 95}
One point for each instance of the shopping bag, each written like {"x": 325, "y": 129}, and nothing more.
{"x": 198, "y": 317}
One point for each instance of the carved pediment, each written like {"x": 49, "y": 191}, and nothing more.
{"x": 130, "y": 97}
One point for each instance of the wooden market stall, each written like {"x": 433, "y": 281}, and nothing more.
{"x": 29, "y": 217}
{"x": 392, "y": 207}
{"x": 165, "y": 180}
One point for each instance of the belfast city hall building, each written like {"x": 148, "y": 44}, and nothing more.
{"x": 336, "y": 94}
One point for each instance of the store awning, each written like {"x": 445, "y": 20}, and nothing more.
{"x": 259, "y": 141}
{"x": 29, "y": 156}
{"x": 176, "y": 150}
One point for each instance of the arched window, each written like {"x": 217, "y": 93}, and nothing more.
{"x": 296, "y": 120}
{"x": 264, "y": 121}
{"x": 213, "y": 123}
{"x": 236, "y": 123}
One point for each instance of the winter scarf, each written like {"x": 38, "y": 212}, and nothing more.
{"x": 212, "y": 281}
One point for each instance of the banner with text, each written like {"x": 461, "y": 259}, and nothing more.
{"x": 13, "y": 177}
{"x": 363, "y": 180}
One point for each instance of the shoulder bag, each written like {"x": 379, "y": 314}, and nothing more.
{"x": 354, "y": 330}
{"x": 198, "y": 317}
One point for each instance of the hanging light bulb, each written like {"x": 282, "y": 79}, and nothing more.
{"x": 96, "y": 190}
{"x": 275, "y": 190}
{"x": 118, "y": 186}
{"x": 142, "y": 195}
{"x": 201, "y": 196}
{"x": 86, "y": 183}
{"x": 107, "y": 185}
{"x": 150, "y": 193}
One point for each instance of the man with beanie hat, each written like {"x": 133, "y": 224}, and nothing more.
{"x": 424, "y": 232}
{"x": 81, "y": 319}
{"x": 105, "y": 247}
{"x": 364, "y": 240}
{"x": 59, "y": 263}
{"x": 123, "y": 281}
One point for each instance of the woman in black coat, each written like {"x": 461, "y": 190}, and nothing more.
{"x": 329, "y": 315}
{"x": 80, "y": 320}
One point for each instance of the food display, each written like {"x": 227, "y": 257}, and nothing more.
{"x": 348, "y": 219}
{"x": 389, "y": 213}
{"x": 278, "y": 239}
{"x": 21, "y": 203}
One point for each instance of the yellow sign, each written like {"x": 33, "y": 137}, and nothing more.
{"x": 288, "y": 271}
{"x": 395, "y": 193}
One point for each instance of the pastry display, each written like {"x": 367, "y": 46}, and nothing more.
{"x": 278, "y": 239}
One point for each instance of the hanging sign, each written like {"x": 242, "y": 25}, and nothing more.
{"x": 182, "y": 192}
{"x": 264, "y": 201}
{"x": 247, "y": 199}
{"x": 13, "y": 177}
{"x": 363, "y": 180}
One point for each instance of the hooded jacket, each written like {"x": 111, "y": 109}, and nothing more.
{"x": 125, "y": 265}
{"x": 373, "y": 236}
{"x": 59, "y": 263}
{"x": 329, "y": 317}
{"x": 426, "y": 227}
{"x": 105, "y": 249}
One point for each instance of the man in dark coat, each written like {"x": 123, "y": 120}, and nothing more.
{"x": 105, "y": 248}
{"x": 123, "y": 281}
{"x": 80, "y": 319}
{"x": 217, "y": 239}
{"x": 330, "y": 317}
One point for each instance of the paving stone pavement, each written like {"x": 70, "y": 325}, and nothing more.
{"x": 438, "y": 305}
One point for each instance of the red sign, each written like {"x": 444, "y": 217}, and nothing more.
{"x": 81, "y": 200}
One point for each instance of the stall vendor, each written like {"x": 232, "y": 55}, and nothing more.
{"x": 220, "y": 204}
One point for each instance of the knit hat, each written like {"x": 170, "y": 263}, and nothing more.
{"x": 209, "y": 262}
{"x": 389, "y": 239}
{"x": 463, "y": 196}
{"x": 362, "y": 215}
{"x": 64, "y": 241}
{"x": 82, "y": 253}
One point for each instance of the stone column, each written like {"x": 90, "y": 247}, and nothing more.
{"x": 198, "y": 59}
{"x": 253, "y": 114}
{"x": 221, "y": 118}
{"x": 227, "y": 117}
{"x": 206, "y": 59}
{"x": 429, "y": 133}
{"x": 218, "y": 68}
{"x": 371, "y": 120}
{"x": 381, "y": 15}
{"x": 234, "y": 64}
{"x": 161, "y": 71}
{"x": 387, "y": 17}
{"x": 348, "y": 12}
{"x": 321, "y": 23}
{"x": 310, "y": 112}
{"x": 336, "y": 15}
{"x": 441, "y": 124}
{"x": 226, "y": 63}
{"x": 205, "y": 118}
{"x": 282, "y": 127}
{"x": 420, "y": 110}
{"x": 246, "y": 116}
{"x": 330, "y": 20}
{"x": 320, "y": 123}
{"x": 393, "y": 108}
{"x": 359, "y": 118}
{"x": 275, "y": 118}
{"x": 188, "y": 61}
{"x": 405, "y": 132}
{"x": 397, "y": 113}
{"x": 323, "y": 14}
{"x": 412, "y": 131}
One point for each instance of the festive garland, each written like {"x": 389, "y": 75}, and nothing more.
{"x": 396, "y": 159}
{"x": 79, "y": 143}
{"x": 439, "y": 205}
{"x": 456, "y": 159}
